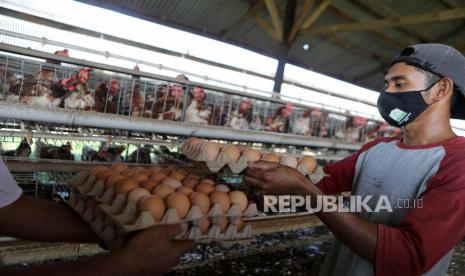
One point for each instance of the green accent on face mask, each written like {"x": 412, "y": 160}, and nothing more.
{"x": 398, "y": 115}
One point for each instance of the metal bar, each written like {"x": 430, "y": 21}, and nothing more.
{"x": 101, "y": 120}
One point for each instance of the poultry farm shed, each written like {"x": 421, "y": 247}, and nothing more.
{"x": 61, "y": 115}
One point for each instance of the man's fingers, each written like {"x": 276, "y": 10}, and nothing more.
{"x": 264, "y": 165}
{"x": 255, "y": 182}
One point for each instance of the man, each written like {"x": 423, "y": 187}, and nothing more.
{"x": 424, "y": 87}
{"x": 151, "y": 252}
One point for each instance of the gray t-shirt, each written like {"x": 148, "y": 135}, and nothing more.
{"x": 9, "y": 190}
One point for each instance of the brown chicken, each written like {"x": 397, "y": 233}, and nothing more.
{"x": 105, "y": 95}
{"x": 279, "y": 122}
{"x": 79, "y": 96}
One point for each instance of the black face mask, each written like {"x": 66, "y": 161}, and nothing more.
{"x": 399, "y": 109}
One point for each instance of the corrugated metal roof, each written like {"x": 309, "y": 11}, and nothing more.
{"x": 358, "y": 57}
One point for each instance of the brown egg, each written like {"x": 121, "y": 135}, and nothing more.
{"x": 185, "y": 190}
{"x": 239, "y": 223}
{"x": 204, "y": 225}
{"x": 139, "y": 177}
{"x": 136, "y": 194}
{"x": 231, "y": 154}
{"x": 201, "y": 200}
{"x": 129, "y": 173}
{"x": 148, "y": 184}
{"x": 222, "y": 199}
{"x": 95, "y": 170}
{"x": 158, "y": 177}
{"x": 104, "y": 174}
{"x": 251, "y": 155}
{"x": 126, "y": 186}
{"x": 180, "y": 202}
{"x": 289, "y": 161}
{"x": 192, "y": 141}
{"x": 179, "y": 175}
{"x": 171, "y": 181}
{"x": 205, "y": 188}
{"x": 271, "y": 157}
{"x": 190, "y": 182}
{"x": 152, "y": 170}
{"x": 208, "y": 181}
{"x": 238, "y": 197}
{"x": 222, "y": 223}
{"x": 309, "y": 163}
{"x": 211, "y": 151}
{"x": 119, "y": 167}
{"x": 163, "y": 191}
{"x": 114, "y": 179}
{"x": 154, "y": 205}
{"x": 170, "y": 170}
{"x": 193, "y": 176}
{"x": 222, "y": 188}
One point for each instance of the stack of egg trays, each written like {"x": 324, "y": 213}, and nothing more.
{"x": 125, "y": 218}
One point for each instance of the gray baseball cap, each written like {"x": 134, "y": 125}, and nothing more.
{"x": 442, "y": 60}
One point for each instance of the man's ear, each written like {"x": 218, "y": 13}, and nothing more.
{"x": 445, "y": 89}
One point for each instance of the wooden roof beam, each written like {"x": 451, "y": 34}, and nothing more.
{"x": 254, "y": 8}
{"x": 390, "y": 23}
{"x": 275, "y": 18}
{"x": 316, "y": 14}
{"x": 300, "y": 19}
{"x": 266, "y": 26}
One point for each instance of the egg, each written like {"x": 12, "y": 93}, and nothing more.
{"x": 163, "y": 191}
{"x": 201, "y": 200}
{"x": 205, "y": 188}
{"x": 119, "y": 167}
{"x": 222, "y": 223}
{"x": 180, "y": 202}
{"x": 238, "y": 197}
{"x": 95, "y": 170}
{"x": 152, "y": 170}
{"x": 210, "y": 151}
{"x": 179, "y": 175}
{"x": 170, "y": 170}
{"x": 271, "y": 157}
{"x": 208, "y": 181}
{"x": 289, "y": 161}
{"x": 222, "y": 188}
{"x": 104, "y": 174}
{"x": 190, "y": 182}
{"x": 114, "y": 179}
{"x": 158, "y": 177}
{"x": 185, "y": 190}
{"x": 251, "y": 155}
{"x": 154, "y": 205}
{"x": 231, "y": 154}
{"x": 126, "y": 186}
{"x": 309, "y": 163}
{"x": 221, "y": 198}
{"x": 171, "y": 181}
{"x": 193, "y": 176}
{"x": 192, "y": 142}
{"x": 239, "y": 223}
{"x": 148, "y": 184}
{"x": 139, "y": 177}
{"x": 130, "y": 172}
{"x": 204, "y": 225}
{"x": 136, "y": 194}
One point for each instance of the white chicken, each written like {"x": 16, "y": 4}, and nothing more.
{"x": 241, "y": 117}
{"x": 197, "y": 112}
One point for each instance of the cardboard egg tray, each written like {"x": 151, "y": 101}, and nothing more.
{"x": 122, "y": 217}
{"x": 201, "y": 159}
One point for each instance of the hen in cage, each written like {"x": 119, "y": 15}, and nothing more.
{"x": 141, "y": 155}
{"x": 105, "y": 153}
{"x": 241, "y": 117}
{"x": 168, "y": 103}
{"x": 135, "y": 102}
{"x": 279, "y": 122}
{"x": 198, "y": 111}
{"x": 105, "y": 96}
{"x": 301, "y": 126}
{"x": 47, "y": 151}
{"x": 22, "y": 151}
{"x": 80, "y": 95}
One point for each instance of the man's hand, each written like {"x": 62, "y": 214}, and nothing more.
{"x": 153, "y": 251}
{"x": 274, "y": 178}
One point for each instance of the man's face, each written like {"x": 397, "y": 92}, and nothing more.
{"x": 402, "y": 78}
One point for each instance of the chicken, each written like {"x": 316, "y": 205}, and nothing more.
{"x": 62, "y": 152}
{"x": 280, "y": 120}
{"x": 23, "y": 150}
{"x": 197, "y": 111}
{"x": 141, "y": 155}
{"x": 168, "y": 104}
{"x": 80, "y": 96}
{"x": 104, "y": 154}
{"x": 301, "y": 126}
{"x": 105, "y": 95}
{"x": 241, "y": 117}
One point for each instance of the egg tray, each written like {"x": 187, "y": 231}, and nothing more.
{"x": 123, "y": 215}
{"x": 200, "y": 159}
